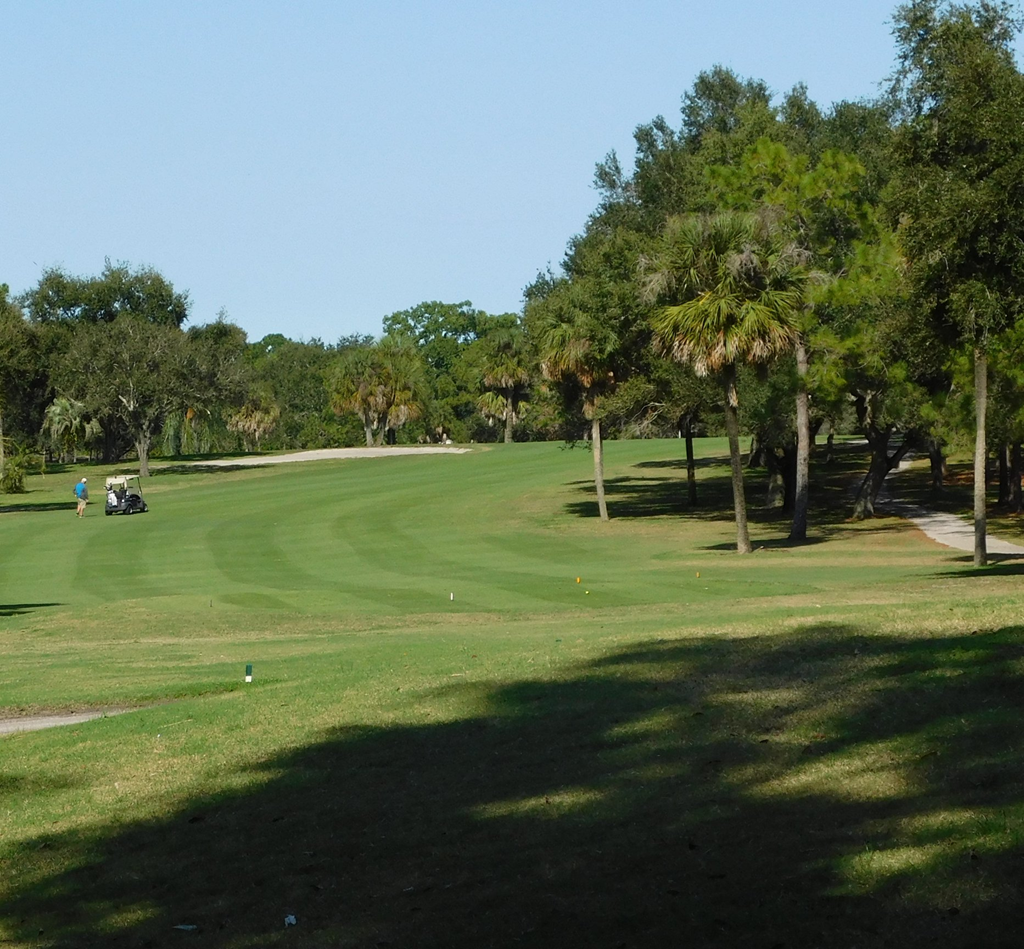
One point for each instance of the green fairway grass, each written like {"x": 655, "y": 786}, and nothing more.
{"x": 452, "y": 742}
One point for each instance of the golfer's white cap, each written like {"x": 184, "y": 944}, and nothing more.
{"x": 85, "y": 479}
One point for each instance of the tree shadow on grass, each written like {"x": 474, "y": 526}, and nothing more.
{"x": 677, "y": 464}
{"x": 199, "y": 468}
{"x": 1008, "y": 566}
{"x": 650, "y": 496}
{"x": 20, "y": 609}
{"x": 821, "y": 788}
{"x": 831, "y": 506}
{"x": 37, "y": 507}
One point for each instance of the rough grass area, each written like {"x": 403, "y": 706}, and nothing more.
{"x": 809, "y": 746}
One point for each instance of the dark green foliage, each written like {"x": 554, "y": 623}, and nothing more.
{"x": 290, "y": 376}
{"x": 120, "y": 289}
{"x": 444, "y": 334}
{"x": 958, "y": 188}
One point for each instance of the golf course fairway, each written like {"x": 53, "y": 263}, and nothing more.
{"x": 479, "y": 716}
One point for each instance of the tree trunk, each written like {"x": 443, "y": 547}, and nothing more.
{"x": 830, "y": 444}
{"x": 938, "y": 465}
{"x": 1, "y": 444}
{"x": 691, "y": 466}
{"x": 1003, "y": 459}
{"x": 755, "y": 457}
{"x": 881, "y": 464}
{"x": 142, "y": 448}
{"x": 732, "y": 426}
{"x": 980, "y": 456}
{"x": 798, "y": 531}
{"x": 368, "y": 429}
{"x": 787, "y": 468}
{"x": 776, "y": 494}
{"x": 1016, "y": 501}
{"x": 595, "y": 428}
{"x": 509, "y": 421}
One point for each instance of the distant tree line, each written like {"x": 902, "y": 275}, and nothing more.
{"x": 104, "y": 367}
{"x": 768, "y": 267}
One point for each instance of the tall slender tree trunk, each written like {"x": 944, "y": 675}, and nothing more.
{"x": 798, "y": 531}
{"x": 368, "y": 430}
{"x": 509, "y": 420}
{"x": 598, "y": 447}
{"x": 732, "y": 427}
{"x": 691, "y": 465}
{"x": 1016, "y": 501}
{"x": 980, "y": 456}
{"x": 1004, "y": 475}
{"x": 937, "y": 461}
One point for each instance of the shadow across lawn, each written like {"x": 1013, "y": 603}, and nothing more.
{"x": 37, "y": 507}
{"x": 20, "y": 609}
{"x": 200, "y": 468}
{"x": 1007, "y": 565}
{"x": 832, "y": 492}
{"x": 822, "y": 788}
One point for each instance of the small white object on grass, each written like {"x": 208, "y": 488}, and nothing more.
{"x": 451, "y": 596}
{"x": 289, "y": 921}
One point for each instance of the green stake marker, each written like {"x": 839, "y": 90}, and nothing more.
{"x": 248, "y": 672}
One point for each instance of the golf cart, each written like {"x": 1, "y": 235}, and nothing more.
{"x": 124, "y": 495}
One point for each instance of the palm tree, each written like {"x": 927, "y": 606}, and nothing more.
{"x": 352, "y": 383}
{"x": 579, "y": 347}
{"x": 400, "y": 384}
{"x": 256, "y": 419}
{"x": 383, "y": 384}
{"x": 506, "y": 375}
{"x": 64, "y": 422}
{"x": 737, "y": 286}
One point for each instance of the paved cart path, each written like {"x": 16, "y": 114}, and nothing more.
{"x": 947, "y": 529}
{"x": 31, "y": 723}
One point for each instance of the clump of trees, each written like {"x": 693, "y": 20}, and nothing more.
{"x": 105, "y": 366}
{"x": 859, "y": 256}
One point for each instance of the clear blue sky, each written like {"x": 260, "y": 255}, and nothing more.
{"x": 313, "y": 166}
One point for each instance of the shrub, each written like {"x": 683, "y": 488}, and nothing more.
{"x": 12, "y": 479}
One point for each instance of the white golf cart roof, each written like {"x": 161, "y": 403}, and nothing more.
{"x": 121, "y": 481}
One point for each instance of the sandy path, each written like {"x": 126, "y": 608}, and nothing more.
{"x": 326, "y": 454}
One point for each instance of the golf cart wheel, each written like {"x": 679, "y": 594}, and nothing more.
{"x": 145, "y": 507}
{"x": 129, "y": 509}
{"x": 108, "y": 513}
